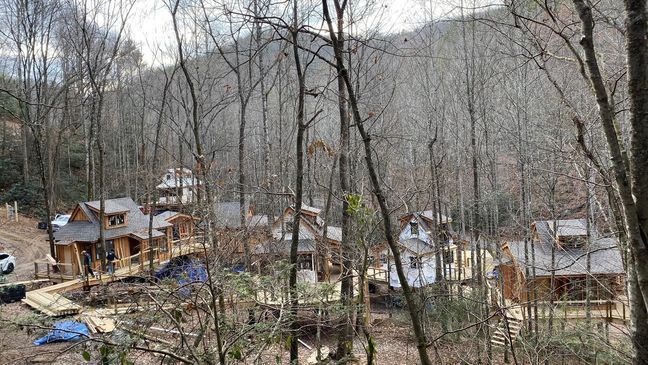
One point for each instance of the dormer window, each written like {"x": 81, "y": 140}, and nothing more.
{"x": 117, "y": 220}
{"x": 414, "y": 227}
{"x": 168, "y": 177}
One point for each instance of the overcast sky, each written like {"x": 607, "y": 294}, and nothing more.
{"x": 150, "y": 24}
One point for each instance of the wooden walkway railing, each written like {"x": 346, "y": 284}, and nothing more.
{"x": 44, "y": 269}
{"x": 613, "y": 310}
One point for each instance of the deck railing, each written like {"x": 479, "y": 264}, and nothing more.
{"x": 44, "y": 269}
{"x": 610, "y": 310}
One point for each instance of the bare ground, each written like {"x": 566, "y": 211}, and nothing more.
{"x": 394, "y": 339}
{"x": 26, "y": 242}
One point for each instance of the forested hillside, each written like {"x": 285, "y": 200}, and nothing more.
{"x": 496, "y": 115}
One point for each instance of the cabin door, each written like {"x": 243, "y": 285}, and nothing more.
{"x": 135, "y": 247}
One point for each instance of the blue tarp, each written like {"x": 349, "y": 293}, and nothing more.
{"x": 184, "y": 270}
{"x": 64, "y": 331}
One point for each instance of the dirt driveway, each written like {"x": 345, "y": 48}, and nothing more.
{"x": 26, "y": 242}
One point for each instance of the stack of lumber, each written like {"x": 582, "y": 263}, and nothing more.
{"x": 52, "y": 304}
{"x": 98, "y": 324}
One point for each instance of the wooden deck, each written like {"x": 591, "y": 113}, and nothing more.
{"x": 615, "y": 311}
{"x": 43, "y": 269}
{"x": 49, "y": 300}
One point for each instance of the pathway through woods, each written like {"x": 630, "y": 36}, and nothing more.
{"x": 26, "y": 242}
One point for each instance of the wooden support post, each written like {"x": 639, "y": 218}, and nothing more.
{"x": 35, "y": 270}
{"x": 16, "y": 210}
{"x": 367, "y": 302}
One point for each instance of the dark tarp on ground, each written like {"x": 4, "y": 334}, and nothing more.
{"x": 12, "y": 293}
{"x": 185, "y": 270}
{"x": 64, "y": 331}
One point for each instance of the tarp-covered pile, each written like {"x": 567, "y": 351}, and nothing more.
{"x": 64, "y": 331}
{"x": 185, "y": 270}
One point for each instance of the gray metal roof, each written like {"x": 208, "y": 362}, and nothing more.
{"x": 304, "y": 233}
{"x": 88, "y": 231}
{"x": 563, "y": 227}
{"x": 166, "y": 215}
{"x": 111, "y": 206}
{"x": 228, "y": 215}
{"x": 604, "y": 254}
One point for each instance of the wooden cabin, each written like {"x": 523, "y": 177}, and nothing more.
{"x": 319, "y": 258}
{"x": 568, "y": 241}
{"x": 126, "y": 230}
{"x": 182, "y": 224}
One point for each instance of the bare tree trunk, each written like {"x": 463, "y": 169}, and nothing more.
{"x": 438, "y": 248}
{"x": 345, "y": 341}
{"x": 635, "y": 213}
{"x": 413, "y": 305}
{"x": 203, "y": 169}
{"x": 299, "y": 181}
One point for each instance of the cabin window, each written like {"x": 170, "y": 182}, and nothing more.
{"x": 116, "y": 220}
{"x": 305, "y": 262}
{"x": 370, "y": 260}
{"x": 168, "y": 177}
{"x": 110, "y": 245}
{"x": 383, "y": 258}
{"x": 414, "y": 227}
{"x": 415, "y": 262}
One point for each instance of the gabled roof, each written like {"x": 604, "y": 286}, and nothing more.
{"x": 174, "y": 178}
{"x": 563, "y": 228}
{"x": 166, "y": 215}
{"x": 306, "y": 231}
{"x": 228, "y": 215}
{"x": 111, "y": 206}
{"x": 308, "y": 209}
{"x": 429, "y": 215}
{"x": 169, "y": 215}
{"x": 88, "y": 231}
{"x": 605, "y": 257}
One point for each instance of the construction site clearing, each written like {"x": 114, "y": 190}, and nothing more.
{"x": 131, "y": 301}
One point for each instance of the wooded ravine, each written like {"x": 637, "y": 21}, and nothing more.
{"x": 315, "y": 182}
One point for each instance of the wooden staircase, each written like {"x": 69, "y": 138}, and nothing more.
{"x": 508, "y": 328}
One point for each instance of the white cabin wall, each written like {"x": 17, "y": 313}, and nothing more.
{"x": 406, "y": 233}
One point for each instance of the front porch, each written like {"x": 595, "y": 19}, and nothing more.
{"x": 135, "y": 261}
